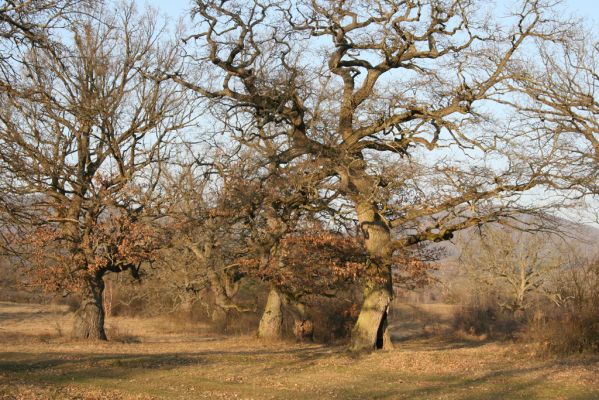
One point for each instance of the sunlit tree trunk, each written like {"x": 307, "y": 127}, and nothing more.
{"x": 271, "y": 323}
{"x": 371, "y": 329}
{"x": 89, "y": 318}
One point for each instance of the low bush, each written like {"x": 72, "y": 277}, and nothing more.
{"x": 333, "y": 318}
{"x": 572, "y": 323}
{"x": 486, "y": 321}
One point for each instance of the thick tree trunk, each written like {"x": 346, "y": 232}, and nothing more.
{"x": 271, "y": 323}
{"x": 303, "y": 327}
{"x": 89, "y": 318}
{"x": 222, "y": 301}
{"x": 371, "y": 330}
{"x": 219, "y": 318}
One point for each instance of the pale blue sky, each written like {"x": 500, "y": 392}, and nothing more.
{"x": 586, "y": 8}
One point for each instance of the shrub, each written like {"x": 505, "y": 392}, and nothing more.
{"x": 572, "y": 324}
{"x": 486, "y": 322}
{"x": 334, "y": 317}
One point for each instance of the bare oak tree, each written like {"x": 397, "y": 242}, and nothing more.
{"x": 25, "y": 24}
{"x": 82, "y": 134}
{"x": 518, "y": 264}
{"x": 210, "y": 203}
{"x": 563, "y": 102}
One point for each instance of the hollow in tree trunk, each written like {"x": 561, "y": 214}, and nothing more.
{"x": 371, "y": 331}
{"x": 271, "y": 323}
{"x": 89, "y": 318}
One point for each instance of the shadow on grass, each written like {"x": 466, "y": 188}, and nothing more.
{"x": 163, "y": 375}
{"x": 17, "y": 317}
{"x": 438, "y": 342}
{"x": 497, "y": 385}
{"x": 363, "y": 382}
{"x": 52, "y": 366}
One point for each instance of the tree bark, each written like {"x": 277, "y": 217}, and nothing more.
{"x": 371, "y": 330}
{"x": 219, "y": 318}
{"x": 89, "y": 318}
{"x": 271, "y": 323}
{"x": 303, "y": 327}
{"x": 220, "y": 285}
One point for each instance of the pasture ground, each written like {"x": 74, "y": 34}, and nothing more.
{"x": 156, "y": 359}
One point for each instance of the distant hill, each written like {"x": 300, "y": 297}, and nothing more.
{"x": 582, "y": 239}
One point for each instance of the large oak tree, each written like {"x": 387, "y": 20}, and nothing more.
{"x": 371, "y": 91}
{"x": 82, "y": 139}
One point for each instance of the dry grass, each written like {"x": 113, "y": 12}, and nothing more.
{"x": 410, "y": 321}
{"x": 165, "y": 364}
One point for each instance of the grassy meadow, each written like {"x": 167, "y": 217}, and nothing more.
{"x": 161, "y": 359}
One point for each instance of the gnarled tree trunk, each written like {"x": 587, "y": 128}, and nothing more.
{"x": 89, "y": 318}
{"x": 371, "y": 330}
{"x": 271, "y": 323}
{"x": 219, "y": 318}
{"x": 303, "y": 327}
{"x": 223, "y": 287}
{"x": 223, "y": 291}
